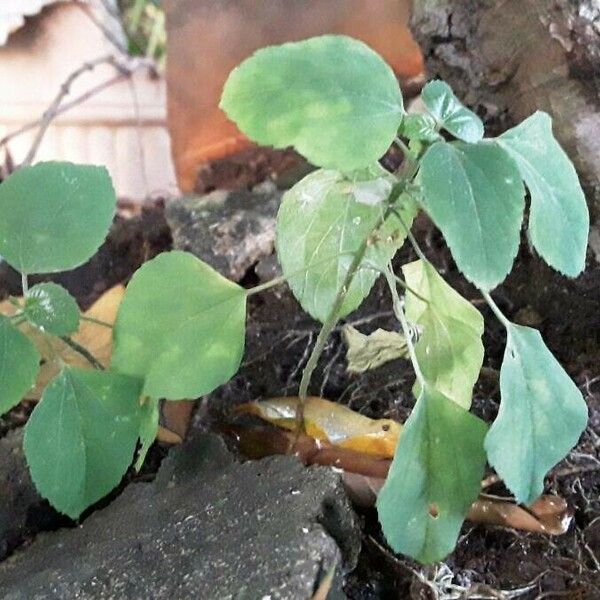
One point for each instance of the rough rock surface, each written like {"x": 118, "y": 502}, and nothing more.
{"x": 207, "y": 527}
{"x": 229, "y": 230}
{"x": 17, "y": 494}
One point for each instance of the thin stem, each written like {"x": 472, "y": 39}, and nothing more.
{"x": 331, "y": 321}
{"x": 399, "y": 281}
{"x": 411, "y": 237}
{"x": 399, "y": 312}
{"x": 17, "y": 319}
{"x": 496, "y": 310}
{"x": 405, "y": 149}
{"x": 24, "y": 284}
{"x": 83, "y": 352}
{"x": 96, "y": 321}
{"x": 265, "y": 286}
{"x": 282, "y": 279}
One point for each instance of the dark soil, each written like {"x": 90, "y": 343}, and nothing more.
{"x": 487, "y": 560}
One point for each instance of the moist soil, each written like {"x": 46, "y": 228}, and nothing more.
{"x": 491, "y": 562}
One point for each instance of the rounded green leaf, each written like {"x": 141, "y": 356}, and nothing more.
{"x": 559, "y": 219}
{"x": 474, "y": 194}
{"x": 434, "y": 478}
{"x": 80, "y": 438}
{"x": 180, "y": 327}
{"x": 332, "y": 98}
{"x": 51, "y": 308}
{"x": 54, "y": 215}
{"x": 322, "y": 222}
{"x": 541, "y": 416}
{"x": 450, "y": 113}
{"x": 19, "y": 365}
{"x": 449, "y": 349}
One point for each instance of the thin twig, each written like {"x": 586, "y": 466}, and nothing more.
{"x": 65, "y": 88}
{"x": 83, "y": 352}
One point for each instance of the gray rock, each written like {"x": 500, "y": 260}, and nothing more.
{"x": 229, "y": 230}
{"x": 17, "y": 493}
{"x": 208, "y": 527}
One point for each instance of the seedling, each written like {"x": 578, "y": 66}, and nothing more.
{"x": 180, "y": 329}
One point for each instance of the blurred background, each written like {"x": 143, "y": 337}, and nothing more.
{"x": 135, "y": 84}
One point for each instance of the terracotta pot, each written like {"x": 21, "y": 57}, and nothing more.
{"x": 208, "y": 38}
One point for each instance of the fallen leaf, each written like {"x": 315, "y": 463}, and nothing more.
{"x": 366, "y": 352}
{"x": 325, "y": 586}
{"x": 364, "y": 475}
{"x": 331, "y": 422}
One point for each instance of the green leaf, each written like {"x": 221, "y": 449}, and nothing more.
{"x": 559, "y": 220}
{"x": 19, "y": 365}
{"x": 331, "y": 97}
{"x": 319, "y": 228}
{"x": 449, "y": 350}
{"x": 542, "y": 414}
{"x": 50, "y": 307}
{"x": 54, "y": 215}
{"x": 434, "y": 478}
{"x": 474, "y": 194}
{"x": 80, "y": 438}
{"x": 150, "y": 415}
{"x": 421, "y": 127}
{"x": 180, "y": 327}
{"x": 450, "y": 113}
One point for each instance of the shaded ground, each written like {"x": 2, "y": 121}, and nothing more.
{"x": 278, "y": 341}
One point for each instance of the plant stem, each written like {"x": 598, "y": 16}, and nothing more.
{"x": 405, "y": 149}
{"x": 24, "y": 283}
{"x": 399, "y": 312}
{"x": 265, "y": 286}
{"x": 411, "y": 237}
{"x": 96, "y": 321}
{"x": 330, "y": 323}
{"x": 499, "y": 314}
{"x": 83, "y": 352}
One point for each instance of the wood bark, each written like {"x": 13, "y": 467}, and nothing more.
{"x": 509, "y": 58}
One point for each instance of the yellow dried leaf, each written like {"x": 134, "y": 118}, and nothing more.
{"x": 331, "y": 422}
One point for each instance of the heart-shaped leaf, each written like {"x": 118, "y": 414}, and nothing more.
{"x": 542, "y": 414}
{"x": 449, "y": 349}
{"x": 434, "y": 478}
{"x": 180, "y": 327}
{"x": 19, "y": 365}
{"x": 559, "y": 219}
{"x": 54, "y": 215}
{"x": 331, "y": 97}
{"x": 80, "y": 438}
{"x": 474, "y": 194}
{"x": 51, "y": 308}
{"x": 450, "y": 113}
{"x": 319, "y": 228}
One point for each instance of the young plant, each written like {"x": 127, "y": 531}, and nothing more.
{"x": 338, "y": 103}
{"x": 180, "y": 329}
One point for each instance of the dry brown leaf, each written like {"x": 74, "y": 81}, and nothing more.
{"x": 364, "y": 476}
{"x": 331, "y": 422}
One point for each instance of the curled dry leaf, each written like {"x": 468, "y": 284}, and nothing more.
{"x": 330, "y": 422}
{"x": 364, "y": 475}
{"x": 366, "y": 352}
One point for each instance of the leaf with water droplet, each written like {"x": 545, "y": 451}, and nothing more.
{"x": 51, "y": 308}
